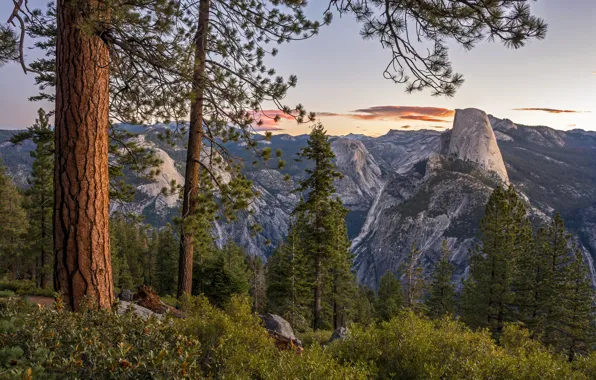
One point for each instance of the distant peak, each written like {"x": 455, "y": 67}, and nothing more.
{"x": 473, "y": 139}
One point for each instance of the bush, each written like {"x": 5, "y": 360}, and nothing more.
{"x": 212, "y": 343}
{"x": 237, "y": 346}
{"x": 6, "y": 293}
{"x": 413, "y": 347}
{"x": 16, "y": 285}
{"x": 41, "y": 343}
{"x": 25, "y": 287}
{"x": 318, "y": 338}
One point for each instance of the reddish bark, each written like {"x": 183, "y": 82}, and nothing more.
{"x": 193, "y": 155}
{"x": 81, "y": 240}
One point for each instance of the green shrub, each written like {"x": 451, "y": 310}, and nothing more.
{"x": 16, "y": 285}
{"x": 237, "y": 346}
{"x": 42, "y": 343}
{"x": 6, "y": 293}
{"x": 318, "y": 338}
{"x": 413, "y": 347}
{"x": 211, "y": 343}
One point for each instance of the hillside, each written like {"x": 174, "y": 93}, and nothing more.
{"x": 404, "y": 187}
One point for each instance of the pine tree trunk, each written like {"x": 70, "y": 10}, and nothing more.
{"x": 335, "y": 305}
{"x": 81, "y": 238}
{"x": 42, "y": 257}
{"x": 193, "y": 155}
{"x": 317, "y": 291}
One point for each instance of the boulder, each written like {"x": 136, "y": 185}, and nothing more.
{"x": 280, "y": 329}
{"x": 141, "y": 311}
{"x": 340, "y": 333}
{"x": 125, "y": 295}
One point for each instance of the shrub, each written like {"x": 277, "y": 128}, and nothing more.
{"x": 41, "y": 343}
{"x": 16, "y": 285}
{"x": 237, "y": 346}
{"x": 6, "y": 293}
{"x": 210, "y": 342}
{"x": 318, "y": 338}
{"x": 413, "y": 347}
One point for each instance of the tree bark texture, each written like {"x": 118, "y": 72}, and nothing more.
{"x": 83, "y": 269}
{"x": 193, "y": 155}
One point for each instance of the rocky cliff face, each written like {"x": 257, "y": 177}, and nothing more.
{"x": 444, "y": 201}
{"x": 473, "y": 139}
{"x": 404, "y": 187}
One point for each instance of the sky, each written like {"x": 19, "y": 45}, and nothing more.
{"x": 548, "y": 82}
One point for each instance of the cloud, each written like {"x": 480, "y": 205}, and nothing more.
{"x": 549, "y": 110}
{"x": 384, "y": 113}
{"x": 265, "y": 120}
{"x": 424, "y": 118}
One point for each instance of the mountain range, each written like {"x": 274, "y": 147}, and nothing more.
{"x": 405, "y": 187}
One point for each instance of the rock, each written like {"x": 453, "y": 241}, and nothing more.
{"x": 279, "y": 328}
{"x": 141, "y": 311}
{"x": 340, "y": 333}
{"x": 473, "y": 139}
{"x": 125, "y": 295}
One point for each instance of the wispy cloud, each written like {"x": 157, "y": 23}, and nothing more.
{"x": 549, "y": 110}
{"x": 384, "y": 113}
{"x": 268, "y": 120}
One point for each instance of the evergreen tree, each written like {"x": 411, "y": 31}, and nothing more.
{"x": 13, "y": 220}
{"x": 40, "y": 195}
{"x": 390, "y": 299}
{"x": 434, "y": 23}
{"x": 343, "y": 282}
{"x": 363, "y": 308}
{"x": 8, "y": 45}
{"x": 166, "y": 261}
{"x": 576, "y": 332}
{"x": 441, "y": 298}
{"x": 318, "y": 213}
{"x": 288, "y": 282}
{"x": 257, "y": 283}
{"x": 489, "y": 293}
{"x": 227, "y": 82}
{"x": 565, "y": 308}
{"x": 414, "y": 279}
{"x": 222, "y": 275}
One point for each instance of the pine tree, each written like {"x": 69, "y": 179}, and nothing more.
{"x": 8, "y": 45}
{"x": 343, "y": 282}
{"x": 231, "y": 76}
{"x": 13, "y": 220}
{"x": 40, "y": 195}
{"x": 317, "y": 211}
{"x": 565, "y": 311}
{"x": 222, "y": 275}
{"x": 414, "y": 279}
{"x": 489, "y": 293}
{"x": 166, "y": 261}
{"x": 257, "y": 283}
{"x": 577, "y": 327}
{"x": 363, "y": 308}
{"x": 288, "y": 282}
{"x": 390, "y": 299}
{"x": 463, "y": 22}
{"x": 441, "y": 298}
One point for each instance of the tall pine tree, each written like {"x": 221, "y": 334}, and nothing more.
{"x": 489, "y": 296}
{"x": 288, "y": 282}
{"x": 13, "y": 220}
{"x": 40, "y": 195}
{"x": 441, "y": 297}
{"x": 317, "y": 212}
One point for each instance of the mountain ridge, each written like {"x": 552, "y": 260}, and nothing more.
{"x": 400, "y": 180}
